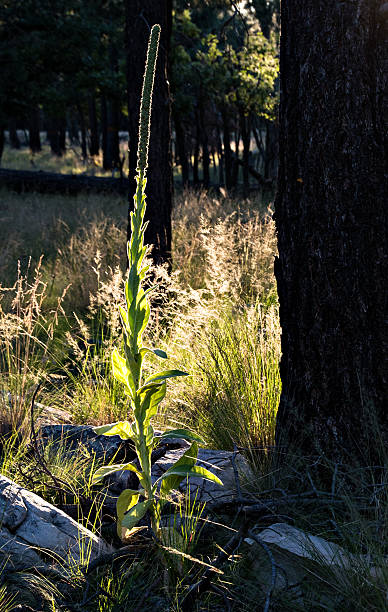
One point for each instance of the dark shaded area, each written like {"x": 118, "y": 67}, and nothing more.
{"x": 50, "y": 182}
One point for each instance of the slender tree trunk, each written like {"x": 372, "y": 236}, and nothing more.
{"x": 220, "y": 159}
{"x": 73, "y": 128}
{"x": 94, "y": 144}
{"x": 113, "y": 133}
{"x": 227, "y": 150}
{"x": 62, "y": 136}
{"x": 110, "y": 106}
{"x": 196, "y": 150}
{"x": 181, "y": 148}
{"x": 34, "y": 130}
{"x": 84, "y": 150}
{"x": 110, "y": 134}
{"x": 235, "y": 168}
{"x": 13, "y": 135}
{"x": 331, "y": 218}
{"x": 53, "y": 136}
{"x": 246, "y": 139}
{"x": 106, "y": 162}
{"x": 1, "y": 142}
{"x": 141, "y": 15}
{"x": 205, "y": 144}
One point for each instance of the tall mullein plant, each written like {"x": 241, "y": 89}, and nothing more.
{"x": 144, "y": 394}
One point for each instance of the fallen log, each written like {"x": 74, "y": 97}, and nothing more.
{"x": 68, "y": 184}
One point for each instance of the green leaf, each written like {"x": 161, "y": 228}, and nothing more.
{"x": 149, "y": 401}
{"x": 185, "y": 434}
{"x": 136, "y": 513}
{"x": 196, "y": 471}
{"x": 172, "y": 481}
{"x": 126, "y": 500}
{"x": 157, "y": 378}
{"x": 157, "y": 352}
{"x": 121, "y": 428}
{"x": 121, "y": 371}
{"x": 106, "y": 470}
{"x": 124, "y": 318}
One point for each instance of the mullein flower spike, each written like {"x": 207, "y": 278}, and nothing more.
{"x": 146, "y": 100}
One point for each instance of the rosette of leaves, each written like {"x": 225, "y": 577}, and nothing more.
{"x": 145, "y": 394}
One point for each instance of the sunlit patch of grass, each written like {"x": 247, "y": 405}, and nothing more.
{"x": 70, "y": 162}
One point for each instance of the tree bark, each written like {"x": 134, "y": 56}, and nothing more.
{"x": 141, "y": 15}
{"x": 331, "y": 219}
{"x": 271, "y": 150}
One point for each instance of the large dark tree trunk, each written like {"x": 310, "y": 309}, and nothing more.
{"x": 331, "y": 219}
{"x": 141, "y": 15}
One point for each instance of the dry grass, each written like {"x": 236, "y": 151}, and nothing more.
{"x": 216, "y": 314}
{"x": 27, "y": 336}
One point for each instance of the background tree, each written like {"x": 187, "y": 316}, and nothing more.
{"x": 331, "y": 219}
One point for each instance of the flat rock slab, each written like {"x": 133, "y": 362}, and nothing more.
{"x": 30, "y": 528}
{"x": 72, "y": 437}
{"x": 216, "y": 461}
{"x": 294, "y": 541}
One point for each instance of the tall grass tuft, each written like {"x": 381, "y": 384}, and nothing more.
{"x": 26, "y": 341}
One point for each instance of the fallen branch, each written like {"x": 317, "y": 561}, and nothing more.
{"x": 204, "y": 584}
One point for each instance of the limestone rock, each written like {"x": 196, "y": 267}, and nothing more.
{"x": 216, "y": 461}
{"x": 29, "y": 524}
{"x": 297, "y": 554}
